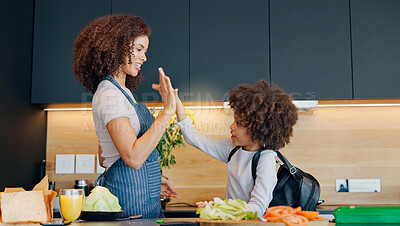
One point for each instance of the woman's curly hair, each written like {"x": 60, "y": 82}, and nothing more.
{"x": 268, "y": 113}
{"x": 102, "y": 47}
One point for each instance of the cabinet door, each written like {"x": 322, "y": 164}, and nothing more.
{"x": 228, "y": 46}
{"x": 169, "y": 43}
{"x": 57, "y": 24}
{"x": 376, "y": 48}
{"x": 23, "y": 126}
{"x": 310, "y": 48}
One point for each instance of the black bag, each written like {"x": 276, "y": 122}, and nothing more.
{"x": 294, "y": 187}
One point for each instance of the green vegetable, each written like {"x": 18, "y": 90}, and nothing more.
{"x": 226, "y": 210}
{"x": 101, "y": 199}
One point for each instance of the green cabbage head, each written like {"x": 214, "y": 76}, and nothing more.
{"x": 101, "y": 199}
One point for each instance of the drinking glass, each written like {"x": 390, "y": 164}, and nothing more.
{"x": 71, "y": 201}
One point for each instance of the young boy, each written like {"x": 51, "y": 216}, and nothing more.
{"x": 263, "y": 119}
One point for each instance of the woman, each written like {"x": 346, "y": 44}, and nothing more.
{"x": 108, "y": 56}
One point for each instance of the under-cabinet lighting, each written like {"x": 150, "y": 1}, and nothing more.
{"x": 358, "y": 105}
{"x": 301, "y": 105}
{"x": 156, "y": 108}
{"x": 195, "y": 107}
{"x": 67, "y": 109}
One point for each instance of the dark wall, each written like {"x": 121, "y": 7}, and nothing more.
{"x": 23, "y": 126}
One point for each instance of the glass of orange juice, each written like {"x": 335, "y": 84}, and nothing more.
{"x": 71, "y": 201}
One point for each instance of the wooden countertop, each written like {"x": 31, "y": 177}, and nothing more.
{"x": 171, "y": 209}
{"x": 167, "y": 221}
{"x": 152, "y": 222}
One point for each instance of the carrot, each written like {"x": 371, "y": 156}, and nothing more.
{"x": 295, "y": 220}
{"x": 274, "y": 219}
{"x": 310, "y": 215}
{"x": 277, "y": 211}
{"x": 297, "y": 209}
{"x": 290, "y": 216}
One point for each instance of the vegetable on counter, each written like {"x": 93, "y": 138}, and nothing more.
{"x": 101, "y": 199}
{"x": 290, "y": 216}
{"x": 226, "y": 210}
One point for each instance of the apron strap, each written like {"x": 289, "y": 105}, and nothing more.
{"x": 112, "y": 80}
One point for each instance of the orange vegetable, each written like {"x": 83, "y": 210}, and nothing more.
{"x": 278, "y": 211}
{"x": 290, "y": 216}
{"x": 310, "y": 215}
{"x": 274, "y": 219}
{"x": 295, "y": 220}
{"x": 297, "y": 209}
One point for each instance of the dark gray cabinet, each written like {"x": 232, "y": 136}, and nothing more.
{"x": 169, "y": 43}
{"x": 310, "y": 48}
{"x": 228, "y": 46}
{"x": 376, "y": 48}
{"x": 23, "y": 126}
{"x": 57, "y": 23}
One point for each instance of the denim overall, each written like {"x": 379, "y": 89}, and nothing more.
{"x": 138, "y": 191}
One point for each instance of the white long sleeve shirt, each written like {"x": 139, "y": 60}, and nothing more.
{"x": 240, "y": 181}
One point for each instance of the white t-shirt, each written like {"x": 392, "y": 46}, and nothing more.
{"x": 109, "y": 103}
{"x": 240, "y": 180}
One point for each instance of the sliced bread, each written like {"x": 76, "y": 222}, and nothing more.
{"x": 27, "y": 206}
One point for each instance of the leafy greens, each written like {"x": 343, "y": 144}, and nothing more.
{"x": 226, "y": 210}
{"x": 101, "y": 199}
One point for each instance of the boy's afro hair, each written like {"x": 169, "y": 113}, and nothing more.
{"x": 268, "y": 113}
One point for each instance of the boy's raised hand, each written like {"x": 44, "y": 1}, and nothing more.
{"x": 180, "y": 110}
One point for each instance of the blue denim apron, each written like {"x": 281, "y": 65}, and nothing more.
{"x": 138, "y": 191}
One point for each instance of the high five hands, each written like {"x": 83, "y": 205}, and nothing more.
{"x": 168, "y": 95}
{"x": 166, "y": 91}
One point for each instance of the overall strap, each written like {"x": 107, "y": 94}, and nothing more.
{"x": 232, "y": 153}
{"x": 112, "y": 80}
{"x": 146, "y": 119}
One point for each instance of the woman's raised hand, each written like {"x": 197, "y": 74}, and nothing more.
{"x": 167, "y": 92}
